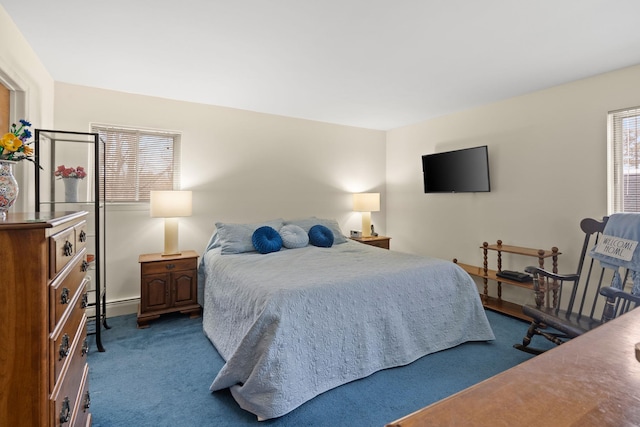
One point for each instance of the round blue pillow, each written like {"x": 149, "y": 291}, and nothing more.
{"x": 266, "y": 239}
{"x": 321, "y": 236}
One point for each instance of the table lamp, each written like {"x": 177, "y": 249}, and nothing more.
{"x": 366, "y": 203}
{"x": 170, "y": 205}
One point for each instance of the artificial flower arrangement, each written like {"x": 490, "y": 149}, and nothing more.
{"x": 14, "y": 145}
{"x": 65, "y": 172}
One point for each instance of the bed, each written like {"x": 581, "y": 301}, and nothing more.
{"x": 297, "y": 322}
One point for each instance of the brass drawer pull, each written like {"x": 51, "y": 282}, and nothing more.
{"x": 85, "y": 301}
{"x": 64, "y": 347}
{"x": 64, "y": 296}
{"x": 83, "y": 236}
{"x": 87, "y": 402}
{"x": 67, "y": 248}
{"x": 171, "y": 266}
{"x": 85, "y": 346}
{"x": 65, "y": 411}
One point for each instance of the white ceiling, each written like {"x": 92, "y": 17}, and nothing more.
{"x": 368, "y": 63}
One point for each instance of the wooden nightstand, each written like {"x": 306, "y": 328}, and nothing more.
{"x": 168, "y": 284}
{"x": 379, "y": 241}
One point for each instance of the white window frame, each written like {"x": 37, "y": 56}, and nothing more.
{"x": 623, "y": 139}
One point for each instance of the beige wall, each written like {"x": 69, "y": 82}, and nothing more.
{"x": 547, "y": 152}
{"x": 31, "y": 96}
{"x": 242, "y": 166}
{"x": 548, "y": 163}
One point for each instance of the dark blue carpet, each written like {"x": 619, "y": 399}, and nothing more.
{"x": 160, "y": 376}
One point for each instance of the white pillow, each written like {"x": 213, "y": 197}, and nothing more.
{"x": 236, "y": 238}
{"x": 294, "y": 236}
{"x": 331, "y": 224}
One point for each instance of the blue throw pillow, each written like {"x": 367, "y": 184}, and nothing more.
{"x": 266, "y": 239}
{"x": 321, "y": 236}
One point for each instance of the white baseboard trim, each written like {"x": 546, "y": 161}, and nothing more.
{"x": 118, "y": 308}
{"x": 122, "y": 307}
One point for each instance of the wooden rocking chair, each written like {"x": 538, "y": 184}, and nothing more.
{"x": 566, "y": 305}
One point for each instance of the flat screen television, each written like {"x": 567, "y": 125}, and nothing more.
{"x": 458, "y": 171}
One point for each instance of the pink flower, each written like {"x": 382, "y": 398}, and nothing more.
{"x": 65, "y": 172}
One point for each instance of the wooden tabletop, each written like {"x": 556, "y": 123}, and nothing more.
{"x": 24, "y": 220}
{"x": 160, "y": 257}
{"x": 592, "y": 380}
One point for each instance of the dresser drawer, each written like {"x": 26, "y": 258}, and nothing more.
{"x": 67, "y": 339}
{"x": 169, "y": 266}
{"x": 65, "y": 395}
{"x": 64, "y": 288}
{"x": 82, "y": 416}
{"x": 62, "y": 249}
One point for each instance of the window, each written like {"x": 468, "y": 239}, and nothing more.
{"x": 624, "y": 160}
{"x": 138, "y": 161}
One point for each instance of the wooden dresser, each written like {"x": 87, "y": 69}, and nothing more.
{"x": 43, "y": 332}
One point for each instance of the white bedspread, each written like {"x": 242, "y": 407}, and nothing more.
{"x": 295, "y": 323}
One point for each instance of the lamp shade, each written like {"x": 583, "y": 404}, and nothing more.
{"x": 170, "y": 204}
{"x": 366, "y": 202}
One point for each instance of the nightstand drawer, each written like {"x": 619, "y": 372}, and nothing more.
{"x": 377, "y": 241}
{"x": 379, "y": 244}
{"x": 169, "y": 266}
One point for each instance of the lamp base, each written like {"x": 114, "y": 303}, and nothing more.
{"x": 366, "y": 224}
{"x": 170, "y": 237}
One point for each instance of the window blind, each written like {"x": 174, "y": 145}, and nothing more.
{"x": 138, "y": 161}
{"x": 624, "y": 164}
